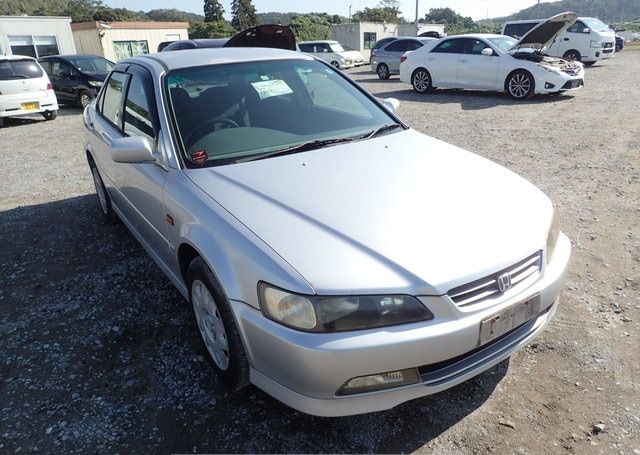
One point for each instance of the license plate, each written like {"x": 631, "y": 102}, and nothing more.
{"x": 498, "y": 324}
{"x": 30, "y": 106}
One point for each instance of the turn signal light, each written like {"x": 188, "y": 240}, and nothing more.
{"x": 380, "y": 381}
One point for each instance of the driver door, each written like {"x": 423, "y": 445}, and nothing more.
{"x": 477, "y": 71}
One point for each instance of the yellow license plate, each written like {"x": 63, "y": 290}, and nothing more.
{"x": 30, "y": 106}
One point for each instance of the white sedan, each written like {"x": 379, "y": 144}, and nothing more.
{"x": 495, "y": 63}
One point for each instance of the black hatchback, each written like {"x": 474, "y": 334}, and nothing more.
{"x": 76, "y": 79}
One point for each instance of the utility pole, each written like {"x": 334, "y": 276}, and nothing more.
{"x": 417, "y": 11}
{"x": 350, "y": 6}
{"x": 538, "y": 10}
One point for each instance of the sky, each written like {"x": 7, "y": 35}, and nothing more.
{"x": 477, "y": 9}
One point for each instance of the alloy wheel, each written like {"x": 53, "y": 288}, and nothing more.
{"x": 210, "y": 324}
{"x": 519, "y": 85}
{"x": 421, "y": 81}
{"x": 383, "y": 71}
{"x": 85, "y": 99}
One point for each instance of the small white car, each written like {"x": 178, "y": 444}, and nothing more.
{"x": 25, "y": 89}
{"x": 330, "y": 51}
{"x": 495, "y": 63}
{"x": 353, "y": 54}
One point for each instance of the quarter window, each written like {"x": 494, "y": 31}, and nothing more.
{"x": 112, "y": 98}
{"x": 370, "y": 40}
{"x": 126, "y": 49}
{"x": 137, "y": 116}
{"x": 452, "y": 46}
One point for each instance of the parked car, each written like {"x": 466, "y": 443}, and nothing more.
{"x": 619, "y": 42}
{"x": 330, "y": 51}
{"x": 354, "y": 55}
{"x": 191, "y": 44}
{"x": 587, "y": 40}
{"x": 496, "y": 63}
{"x": 386, "y": 60}
{"x": 76, "y": 79}
{"x": 25, "y": 89}
{"x": 251, "y": 187}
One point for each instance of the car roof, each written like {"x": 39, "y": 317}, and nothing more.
{"x": 218, "y": 56}
{"x": 15, "y": 57}
{"x": 328, "y": 41}
{"x": 70, "y": 56}
{"x": 475, "y": 35}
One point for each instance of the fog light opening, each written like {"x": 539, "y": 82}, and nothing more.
{"x": 548, "y": 85}
{"x": 380, "y": 381}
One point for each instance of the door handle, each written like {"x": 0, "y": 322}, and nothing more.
{"x": 566, "y": 39}
{"x": 463, "y": 61}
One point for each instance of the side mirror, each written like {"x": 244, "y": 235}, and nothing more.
{"x": 392, "y": 104}
{"x": 586, "y": 30}
{"x": 487, "y": 51}
{"x": 133, "y": 150}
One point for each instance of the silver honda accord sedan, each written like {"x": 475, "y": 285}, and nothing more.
{"x": 335, "y": 258}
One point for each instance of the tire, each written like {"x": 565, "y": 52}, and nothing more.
{"x": 1, "y": 122}
{"x": 335, "y": 64}
{"x": 218, "y": 329}
{"x": 520, "y": 85}
{"x": 104, "y": 200}
{"x": 50, "y": 115}
{"x": 421, "y": 81}
{"x": 84, "y": 98}
{"x": 383, "y": 71}
{"x": 572, "y": 55}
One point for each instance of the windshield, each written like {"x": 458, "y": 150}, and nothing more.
{"x": 226, "y": 113}
{"x": 19, "y": 69}
{"x": 336, "y": 47}
{"x": 504, "y": 43}
{"x": 91, "y": 65}
{"x": 596, "y": 25}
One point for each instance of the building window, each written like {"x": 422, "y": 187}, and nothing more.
{"x": 35, "y": 46}
{"x": 126, "y": 49}
{"x": 369, "y": 40}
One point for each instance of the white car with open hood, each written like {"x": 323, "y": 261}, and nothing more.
{"x": 496, "y": 63}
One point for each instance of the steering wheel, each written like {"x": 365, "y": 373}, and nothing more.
{"x": 205, "y": 128}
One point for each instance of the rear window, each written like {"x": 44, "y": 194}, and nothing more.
{"x": 19, "y": 69}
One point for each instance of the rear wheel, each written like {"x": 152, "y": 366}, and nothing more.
{"x": 50, "y": 115}
{"x": 84, "y": 98}
{"x": 1, "y": 122}
{"x": 383, "y": 71}
{"x": 335, "y": 64}
{"x": 421, "y": 80}
{"x": 572, "y": 55}
{"x": 217, "y": 326}
{"x": 520, "y": 85}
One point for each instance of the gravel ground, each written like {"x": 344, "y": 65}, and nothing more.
{"x": 101, "y": 354}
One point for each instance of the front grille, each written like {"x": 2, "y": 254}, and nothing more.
{"x": 607, "y": 45}
{"x": 522, "y": 274}
{"x": 571, "y": 69}
{"x": 607, "y": 51}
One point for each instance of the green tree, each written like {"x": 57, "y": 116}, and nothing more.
{"x": 386, "y": 14}
{"x": 243, "y": 14}
{"x": 454, "y": 22}
{"x": 309, "y": 27}
{"x": 116, "y": 14}
{"x": 213, "y": 11}
{"x": 218, "y": 29}
{"x": 173, "y": 15}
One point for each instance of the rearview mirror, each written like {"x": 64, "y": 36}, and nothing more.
{"x": 134, "y": 149}
{"x": 487, "y": 51}
{"x": 392, "y": 104}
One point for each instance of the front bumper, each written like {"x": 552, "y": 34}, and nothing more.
{"x": 12, "y": 105}
{"x": 305, "y": 370}
{"x": 553, "y": 83}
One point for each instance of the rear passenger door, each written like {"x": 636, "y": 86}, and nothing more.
{"x": 128, "y": 108}
{"x": 442, "y": 62}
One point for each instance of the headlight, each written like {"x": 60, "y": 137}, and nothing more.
{"x": 549, "y": 69}
{"x": 596, "y": 44}
{"x": 96, "y": 83}
{"x": 552, "y": 238}
{"x": 339, "y": 313}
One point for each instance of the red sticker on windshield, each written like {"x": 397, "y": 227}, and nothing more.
{"x": 199, "y": 157}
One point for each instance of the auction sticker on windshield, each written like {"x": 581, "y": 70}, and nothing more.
{"x": 267, "y": 89}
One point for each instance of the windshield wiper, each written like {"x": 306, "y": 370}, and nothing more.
{"x": 380, "y": 130}
{"x": 303, "y": 147}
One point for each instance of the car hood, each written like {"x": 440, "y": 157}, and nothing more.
{"x": 354, "y": 55}
{"x": 401, "y": 213}
{"x": 546, "y": 32}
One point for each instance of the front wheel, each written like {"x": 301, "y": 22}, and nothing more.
{"x": 217, "y": 326}
{"x": 520, "y": 85}
{"x": 50, "y": 115}
{"x": 335, "y": 64}
{"x": 572, "y": 55}
{"x": 84, "y": 98}
{"x": 421, "y": 80}
{"x": 383, "y": 71}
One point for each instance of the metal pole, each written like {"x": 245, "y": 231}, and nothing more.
{"x": 417, "y": 11}
{"x": 538, "y": 10}
{"x": 350, "y": 13}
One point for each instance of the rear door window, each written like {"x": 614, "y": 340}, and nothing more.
{"x": 397, "y": 46}
{"x": 19, "y": 69}
{"x": 111, "y": 105}
{"x": 452, "y": 46}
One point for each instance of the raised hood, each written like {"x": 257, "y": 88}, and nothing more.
{"x": 401, "y": 213}
{"x": 546, "y": 32}
{"x": 267, "y": 35}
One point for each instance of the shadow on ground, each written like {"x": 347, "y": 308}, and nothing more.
{"x": 37, "y": 118}
{"x": 101, "y": 354}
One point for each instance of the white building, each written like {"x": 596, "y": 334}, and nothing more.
{"x": 36, "y": 36}
{"x": 361, "y": 36}
{"x": 118, "y": 40}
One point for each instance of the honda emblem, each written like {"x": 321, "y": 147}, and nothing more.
{"x": 504, "y": 282}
